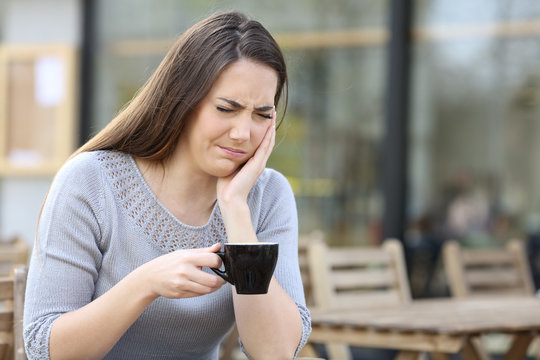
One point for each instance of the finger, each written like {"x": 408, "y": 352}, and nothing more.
{"x": 213, "y": 248}
{"x": 268, "y": 143}
{"x": 256, "y": 164}
{"x": 273, "y": 138}
{"x": 209, "y": 259}
{"x": 195, "y": 289}
{"x": 191, "y": 278}
{"x": 265, "y": 145}
{"x": 205, "y": 279}
{"x": 271, "y": 128}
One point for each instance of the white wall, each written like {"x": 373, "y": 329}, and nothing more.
{"x": 32, "y": 22}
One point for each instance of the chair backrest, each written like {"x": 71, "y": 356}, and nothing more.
{"x": 12, "y": 252}
{"x": 358, "y": 276}
{"x": 304, "y": 240}
{"x": 487, "y": 272}
{"x": 12, "y": 290}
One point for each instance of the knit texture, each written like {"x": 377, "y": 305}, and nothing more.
{"x": 101, "y": 221}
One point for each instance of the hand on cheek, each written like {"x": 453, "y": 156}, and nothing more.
{"x": 238, "y": 185}
{"x": 268, "y": 141}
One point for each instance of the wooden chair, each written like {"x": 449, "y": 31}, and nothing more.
{"x": 353, "y": 277}
{"x": 12, "y": 290}
{"x": 304, "y": 242}
{"x": 481, "y": 272}
{"x": 12, "y": 252}
{"x": 487, "y": 272}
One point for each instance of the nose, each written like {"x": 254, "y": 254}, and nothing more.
{"x": 241, "y": 129}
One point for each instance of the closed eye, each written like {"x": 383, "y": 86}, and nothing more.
{"x": 222, "y": 109}
{"x": 265, "y": 116}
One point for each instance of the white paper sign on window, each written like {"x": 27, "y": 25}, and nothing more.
{"x": 50, "y": 81}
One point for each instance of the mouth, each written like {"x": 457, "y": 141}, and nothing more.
{"x": 231, "y": 152}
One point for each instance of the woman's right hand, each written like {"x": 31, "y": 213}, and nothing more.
{"x": 92, "y": 330}
{"x": 179, "y": 274}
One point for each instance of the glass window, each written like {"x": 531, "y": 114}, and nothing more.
{"x": 329, "y": 144}
{"x": 474, "y": 135}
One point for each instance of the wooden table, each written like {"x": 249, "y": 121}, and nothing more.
{"x": 439, "y": 326}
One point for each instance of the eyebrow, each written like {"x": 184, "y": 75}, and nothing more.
{"x": 240, "y": 106}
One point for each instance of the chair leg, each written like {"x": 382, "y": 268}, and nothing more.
{"x": 518, "y": 350}
{"x": 308, "y": 351}
{"x": 439, "y": 356}
{"x": 337, "y": 351}
{"x": 229, "y": 345}
{"x": 6, "y": 348}
{"x": 409, "y": 355}
{"x": 473, "y": 349}
{"x": 19, "y": 273}
{"x": 534, "y": 348}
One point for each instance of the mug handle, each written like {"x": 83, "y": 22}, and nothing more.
{"x": 222, "y": 274}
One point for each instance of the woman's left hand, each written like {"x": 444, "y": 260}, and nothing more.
{"x": 237, "y": 186}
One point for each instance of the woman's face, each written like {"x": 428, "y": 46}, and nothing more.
{"x": 230, "y": 122}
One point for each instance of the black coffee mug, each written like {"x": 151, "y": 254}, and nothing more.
{"x": 249, "y": 267}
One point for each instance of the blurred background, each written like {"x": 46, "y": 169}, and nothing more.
{"x": 416, "y": 119}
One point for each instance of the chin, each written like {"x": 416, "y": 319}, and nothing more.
{"x": 224, "y": 171}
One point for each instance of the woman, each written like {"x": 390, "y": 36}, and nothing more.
{"x": 132, "y": 221}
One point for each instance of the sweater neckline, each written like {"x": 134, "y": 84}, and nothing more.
{"x": 147, "y": 213}
{"x": 149, "y": 192}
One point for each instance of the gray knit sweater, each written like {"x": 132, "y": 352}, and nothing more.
{"x": 101, "y": 221}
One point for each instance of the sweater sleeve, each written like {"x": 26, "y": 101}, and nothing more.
{"x": 66, "y": 257}
{"x": 277, "y": 221}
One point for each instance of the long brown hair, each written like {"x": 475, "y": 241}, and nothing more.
{"x": 151, "y": 124}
